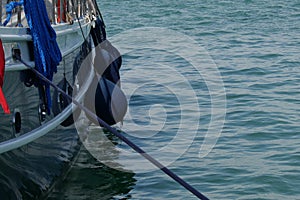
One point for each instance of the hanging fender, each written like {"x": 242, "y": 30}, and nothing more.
{"x": 106, "y": 100}
{"x": 108, "y": 61}
{"x": 98, "y": 32}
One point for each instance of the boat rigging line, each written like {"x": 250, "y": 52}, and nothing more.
{"x": 117, "y": 134}
{"x": 77, "y": 17}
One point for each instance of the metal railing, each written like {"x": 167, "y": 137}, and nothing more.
{"x": 1, "y": 12}
{"x": 59, "y": 11}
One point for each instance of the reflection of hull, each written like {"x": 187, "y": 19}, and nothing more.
{"x": 97, "y": 181}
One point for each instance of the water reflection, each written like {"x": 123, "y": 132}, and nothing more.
{"x": 90, "y": 179}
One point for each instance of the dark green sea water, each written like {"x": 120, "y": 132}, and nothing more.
{"x": 255, "y": 46}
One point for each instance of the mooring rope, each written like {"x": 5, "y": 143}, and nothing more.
{"x": 9, "y": 8}
{"x": 119, "y": 135}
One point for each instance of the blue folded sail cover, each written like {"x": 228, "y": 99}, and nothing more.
{"x": 46, "y": 51}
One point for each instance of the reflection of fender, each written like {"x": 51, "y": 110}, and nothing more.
{"x": 60, "y": 102}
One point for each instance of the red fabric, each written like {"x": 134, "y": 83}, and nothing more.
{"x": 58, "y": 11}
{"x": 2, "y": 67}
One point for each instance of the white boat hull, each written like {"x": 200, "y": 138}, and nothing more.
{"x": 36, "y": 152}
